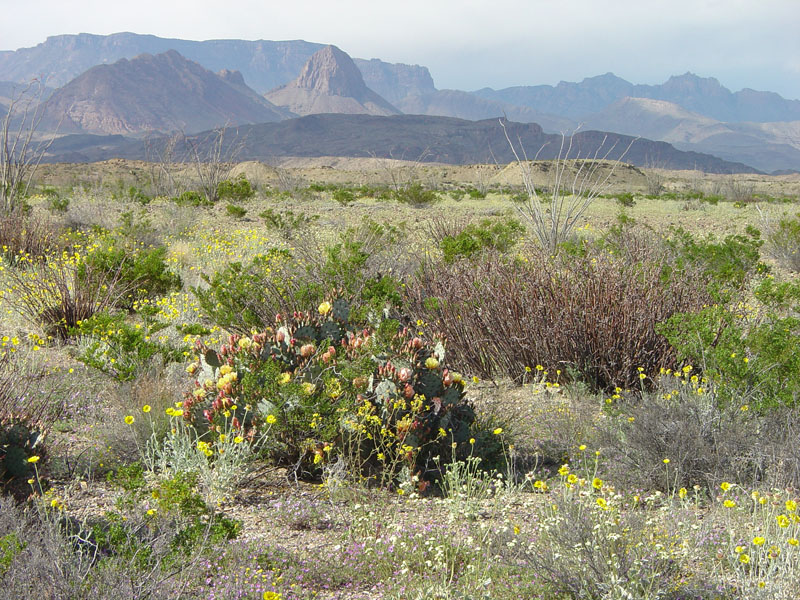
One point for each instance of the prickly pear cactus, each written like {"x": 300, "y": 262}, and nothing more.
{"x": 20, "y": 441}
{"x": 315, "y": 381}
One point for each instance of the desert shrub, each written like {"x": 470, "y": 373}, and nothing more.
{"x": 361, "y": 264}
{"x": 110, "y": 343}
{"x": 415, "y": 194}
{"x": 379, "y": 192}
{"x": 783, "y": 243}
{"x": 134, "y": 230}
{"x": 727, "y": 264}
{"x": 237, "y": 212}
{"x": 158, "y": 387}
{"x": 26, "y": 236}
{"x": 747, "y": 352}
{"x": 244, "y": 297}
{"x": 191, "y": 198}
{"x": 141, "y": 270}
{"x": 381, "y": 399}
{"x": 238, "y": 189}
{"x": 626, "y": 199}
{"x": 343, "y": 196}
{"x": 487, "y": 235}
{"x": 590, "y": 545}
{"x": 43, "y": 557}
{"x": 172, "y": 514}
{"x": 63, "y": 291}
{"x": 739, "y": 191}
{"x": 288, "y": 222}
{"x": 703, "y": 441}
{"x": 132, "y": 193}
{"x": 594, "y": 312}
{"x": 57, "y": 204}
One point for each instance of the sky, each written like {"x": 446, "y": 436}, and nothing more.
{"x": 470, "y": 44}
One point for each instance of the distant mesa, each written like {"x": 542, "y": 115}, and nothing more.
{"x": 330, "y": 82}
{"x": 163, "y": 93}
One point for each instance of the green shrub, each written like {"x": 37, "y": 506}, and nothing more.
{"x": 143, "y": 271}
{"x": 287, "y": 222}
{"x": 158, "y": 526}
{"x": 244, "y": 297}
{"x": 727, "y": 264}
{"x": 10, "y": 547}
{"x": 343, "y": 197}
{"x": 191, "y": 198}
{"x": 237, "y": 212}
{"x": 626, "y": 199}
{"x": 138, "y": 195}
{"x": 487, "y": 235}
{"x": 747, "y": 353}
{"x": 415, "y": 194}
{"x": 238, "y": 189}
{"x": 377, "y": 192}
{"x": 111, "y": 344}
{"x": 57, "y": 204}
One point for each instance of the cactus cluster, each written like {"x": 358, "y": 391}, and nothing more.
{"x": 320, "y": 384}
{"x": 424, "y": 403}
{"x": 20, "y": 440}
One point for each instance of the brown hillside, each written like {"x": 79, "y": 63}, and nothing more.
{"x": 165, "y": 92}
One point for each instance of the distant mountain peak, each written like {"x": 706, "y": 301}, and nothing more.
{"x": 233, "y": 77}
{"x": 331, "y": 71}
{"x": 330, "y": 82}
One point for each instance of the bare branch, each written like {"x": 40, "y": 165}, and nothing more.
{"x": 20, "y": 153}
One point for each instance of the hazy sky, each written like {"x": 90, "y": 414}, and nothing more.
{"x": 468, "y": 44}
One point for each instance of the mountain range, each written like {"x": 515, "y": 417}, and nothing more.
{"x": 136, "y": 84}
{"x": 410, "y": 137}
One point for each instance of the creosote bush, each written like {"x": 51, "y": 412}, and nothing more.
{"x": 242, "y": 297}
{"x": 238, "y": 189}
{"x": 142, "y": 270}
{"x": 485, "y": 236}
{"x": 747, "y": 351}
{"x": 783, "y": 242}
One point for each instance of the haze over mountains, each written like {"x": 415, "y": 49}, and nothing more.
{"x": 191, "y": 86}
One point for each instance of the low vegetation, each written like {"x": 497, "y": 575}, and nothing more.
{"x": 360, "y": 393}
